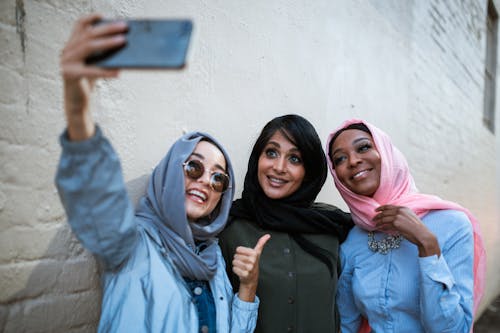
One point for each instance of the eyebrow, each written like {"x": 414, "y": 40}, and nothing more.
{"x": 201, "y": 157}
{"x": 274, "y": 143}
{"x": 353, "y": 143}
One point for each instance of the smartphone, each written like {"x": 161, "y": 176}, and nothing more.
{"x": 151, "y": 43}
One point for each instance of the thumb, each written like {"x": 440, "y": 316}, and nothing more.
{"x": 261, "y": 242}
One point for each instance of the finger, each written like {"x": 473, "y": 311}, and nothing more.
{"x": 72, "y": 59}
{"x": 108, "y": 28}
{"x": 379, "y": 218}
{"x": 246, "y": 251}
{"x": 383, "y": 226}
{"x": 247, "y": 259}
{"x": 91, "y": 38}
{"x": 96, "y": 72}
{"x": 386, "y": 208}
{"x": 261, "y": 242}
{"x": 89, "y": 19}
{"x": 242, "y": 266}
{"x": 96, "y": 45}
{"x": 82, "y": 23}
{"x": 381, "y": 221}
{"x": 81, "y": 28}
{"x": 388, "y": 212}
{"x": 76, "y": 71}
{"x": 240, "y": 272}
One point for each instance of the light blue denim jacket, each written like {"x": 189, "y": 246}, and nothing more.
{"x": 142, "y": 290}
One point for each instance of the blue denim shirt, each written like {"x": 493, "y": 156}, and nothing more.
{"x": 402, "y": 292}
{"x": 142, "y": 289}
{"x": 204, "y": 301}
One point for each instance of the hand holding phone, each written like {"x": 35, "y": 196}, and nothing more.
{"x": 151, "y": 43}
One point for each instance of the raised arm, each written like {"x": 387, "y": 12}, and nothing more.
{"x": 89, "y": 177}
{"x": 78, "y": 77}
{"x": 246, "y": 266}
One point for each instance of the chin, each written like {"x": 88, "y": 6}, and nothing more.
{"x": 193, "y": 216}
{"x": 274, "y": 194}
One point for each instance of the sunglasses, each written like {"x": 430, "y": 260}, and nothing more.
{"x": 219, "y": 181}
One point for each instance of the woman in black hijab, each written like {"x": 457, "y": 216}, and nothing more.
{"x": 298, "y": 267}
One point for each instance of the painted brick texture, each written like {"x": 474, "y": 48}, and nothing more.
{"x": 414, "y": 68}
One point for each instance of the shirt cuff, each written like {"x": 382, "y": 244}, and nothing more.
{"x": 83, "y": 146}
{"x": 246, "y": 306}
{"x": 436, "y": 269}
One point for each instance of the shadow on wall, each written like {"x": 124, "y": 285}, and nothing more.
{"x": 61, "y": 291}
{"x": 489, "y": 322}
{"x": 61, "y": 294}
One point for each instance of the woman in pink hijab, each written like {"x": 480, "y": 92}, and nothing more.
{"x": 413, "y": 262}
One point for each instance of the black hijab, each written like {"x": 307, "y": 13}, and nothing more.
{"x": 296, "y": 214}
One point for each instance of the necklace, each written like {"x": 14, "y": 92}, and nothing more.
{"x": 385, "y": 245}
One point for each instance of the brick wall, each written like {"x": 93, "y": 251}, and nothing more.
{"x": 415, "y": 68}
{"x": 451, "y": 151}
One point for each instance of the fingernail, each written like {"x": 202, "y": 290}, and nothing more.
{"x": 121, "y": 24}
{"x": 120, "y": 38}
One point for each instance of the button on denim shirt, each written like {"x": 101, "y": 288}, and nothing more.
{"x": 142, "y": 289}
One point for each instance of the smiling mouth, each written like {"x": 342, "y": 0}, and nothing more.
{"x": 276, "y": 181}
{"x": 360, "y": 174}
{"x": 197, "y": 195}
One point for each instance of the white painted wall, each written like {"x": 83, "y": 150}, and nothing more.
{"x": 414, "y": 68}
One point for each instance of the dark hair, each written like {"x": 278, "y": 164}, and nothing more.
{"x": 302, "y": 134}
{"x": 296, "y": 214}
{"x": 358, "y": 126}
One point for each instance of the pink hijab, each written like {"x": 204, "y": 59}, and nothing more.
{"x": 398, "y": 188}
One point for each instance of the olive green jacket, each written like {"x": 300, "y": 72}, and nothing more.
{"x": 296, "y": 291}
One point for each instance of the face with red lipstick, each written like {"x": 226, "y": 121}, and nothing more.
{"x": 356, "y": 161}
{"x": 201, "y": 198}
{"x": 280, "y": 170}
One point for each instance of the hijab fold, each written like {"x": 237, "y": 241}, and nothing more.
{"x": 397, "y": 187}
{"x": 163, "y": 208}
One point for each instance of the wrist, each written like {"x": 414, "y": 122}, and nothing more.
{"x": 77, "y": 108}
{"x": 80, "y": 127}
{"x": 428, "y": 246}
{"x": 247, "y": 292}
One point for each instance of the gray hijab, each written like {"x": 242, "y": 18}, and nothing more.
{"x": 163, "y": 207}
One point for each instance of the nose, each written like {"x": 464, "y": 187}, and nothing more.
{"x": 354, "y": 159}
{"x": 205, "y": 178}
{"x": 280, "y": 165}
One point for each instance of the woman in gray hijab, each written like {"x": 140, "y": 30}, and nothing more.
{"x": 163, "y": 268}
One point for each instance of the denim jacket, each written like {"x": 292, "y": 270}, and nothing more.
{"x": 142, "y": 289}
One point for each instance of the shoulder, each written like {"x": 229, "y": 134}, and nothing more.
{"x": 448, "y": 214}
{"x": 324, "y": 240}
{"x": 149, "y": 233}
{"x": 326, "y": 206}
{"x": 355, "y": 244}
{"x": 239, "y": 232}
{"x": 333, "y": 212}
{"x": 448, "y": 219}
{"x": 450, "y": 226}
{"x": 355, "y": 235}
{"x": 237, "y": 226}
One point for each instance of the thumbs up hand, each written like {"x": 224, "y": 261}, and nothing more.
{"x": 246, "y": 266}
